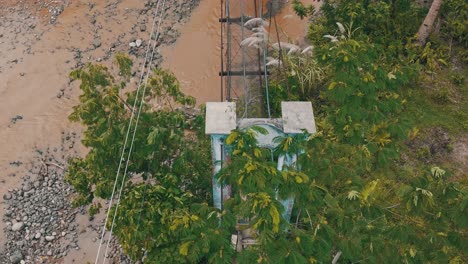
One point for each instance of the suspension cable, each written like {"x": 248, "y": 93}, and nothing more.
{"x": 264, "y": 66}
{"x": 128, "y": 133}
{"x": 136, "y": 126}
{"x": 229, "y": 52}
{"x": 222, "y": 53}
{"x": 246, "y": 90}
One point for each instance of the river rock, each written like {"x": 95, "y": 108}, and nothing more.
{"x": 7, "y": 196}
{"x": 17, "y": 226}
{"x": 96, "y": 43}
{"x": 138, "y": 43}
{"x": 27, "y": 187}
{"x": 49, "y": 238}
{"x": 16, "y": 257}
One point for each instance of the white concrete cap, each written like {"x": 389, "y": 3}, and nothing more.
{"x": 220, "y": 118}
{"x": 298, "y": 116}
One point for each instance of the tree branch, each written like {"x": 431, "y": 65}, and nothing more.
{"x": 55, "y": 164}
{"x": 125, "y": 103}
{"x": 426, "y": 27}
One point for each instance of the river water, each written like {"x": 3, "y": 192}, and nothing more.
{"x": 195, "y": 57}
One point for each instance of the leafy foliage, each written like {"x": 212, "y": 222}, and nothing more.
{"x": 384, "y": 213}
{"x": 356, "y": 198}
{"x": 302, "y": 79}
{"x": 342, "y": 203}
{"x": 169, "y": 170}
{"x": 363, "y": 96}
{"x": 388, "y": 23}
{"x": 361, "y": 202}
{"x": 455, "y": 14}
{"x": 301, "y": 10}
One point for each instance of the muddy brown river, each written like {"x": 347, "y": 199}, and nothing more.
{"x": 195, "y": 57}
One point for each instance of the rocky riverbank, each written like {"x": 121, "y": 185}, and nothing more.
{"x": 40, "y": 43}
{"x": 40, "y": 221}
{"x": 42, "y": 226}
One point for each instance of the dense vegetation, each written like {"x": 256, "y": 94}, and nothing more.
{"x": 367, "y": 189}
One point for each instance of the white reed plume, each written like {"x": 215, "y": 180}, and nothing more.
{"x": 260, "y": 35}
{"x": 284, "y": 45}
{"x": 346, "y": 32}
{"x": 290, "y": 48}
{"x": 308, "y": 50}
{"x": 274, "y": 62}
{"x": 341, "y": 27}
{"x": 251, "y": 41}
{"x": 259, "y": 29}
{"x": 294, "y": 50}
{"x": 276, "y": 46}
{"x": 255, "y": 22}
{"x": 332, "y": 38}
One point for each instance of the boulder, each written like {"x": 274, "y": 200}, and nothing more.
{"x": 17, "y": 226}
{"x": 96, "y": 43}
{"x": 7, "y": 196}
{"x": 16, "y": 257}
{"x": 138, "y": 43}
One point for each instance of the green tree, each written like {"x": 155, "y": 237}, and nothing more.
{"x": 362, "y": 206}
{"x": 301, "y": 10}
{"x": 389, "y": 23}
{"x": 353, "y": 202}
{"x": 362, "y": 94}
{"x": 164, "y": 201}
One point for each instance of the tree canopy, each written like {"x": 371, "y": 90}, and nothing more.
{"x": 357, "y": 199}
